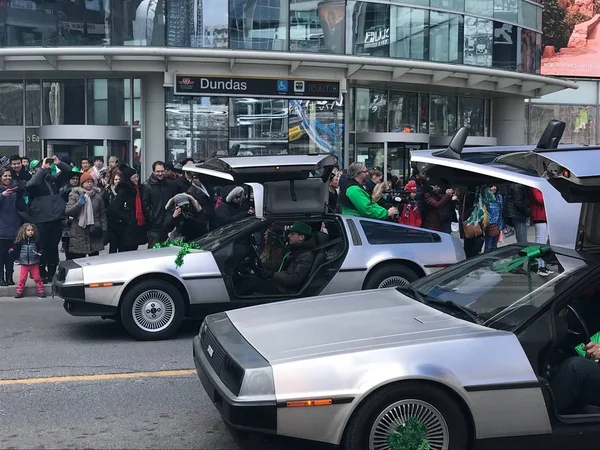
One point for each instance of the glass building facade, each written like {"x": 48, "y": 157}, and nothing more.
{"x": 493, "y": 34}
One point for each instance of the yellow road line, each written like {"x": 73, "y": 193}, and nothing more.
{"x": 107, "y": 376}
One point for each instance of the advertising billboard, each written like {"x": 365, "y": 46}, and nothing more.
{"x": 571, "y": 42}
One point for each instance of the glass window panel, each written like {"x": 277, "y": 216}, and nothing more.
{"x": 137, "y": 101}
{"x": 259, "y": 126}
{"x": 316, "y": 127}
{"x": 30, "y": 23}
{"x": 136, "y": 22}
{"x": 528, "y": 15}
{"x": 33, "y": 143}
{"x": 33, "y": 101}
{"x": 81, "y": 22}
{"x": 528, "y": 51}
{"x": 106, "y": 102}
{"x": 478, "y": 41}
{"x": 371, "y": 110}
{"x": 137, "y": 150}
{"x": 370, "y": 154}
{"x": 317, "y": 26}
{"x": 64, "y": 102}
{"x": 350, "y": 109}
{"x": 11, "y": 103}
{"x": 404, "y": 112}
{"x": 258, "y": 24}
{"x": 409, "y": 32}
{"x": 370, "y": 29}
{"x": 424, "y": 113}
{"x": 197, "y": 23}
{"x": 452, "y": 5}
{"x": 443, "y": 115}
{"x": 506, "y": 10}
{"x": 472, "y": 115}
{"x": 505, "y": 46}
{"x": 581, "y": 122}
{"x": 197, "y": 127}
{"x": 444, "y": 37}
{"x": 480, "y": 7}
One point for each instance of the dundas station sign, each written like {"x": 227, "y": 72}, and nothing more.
{"x": 211, "y": 86}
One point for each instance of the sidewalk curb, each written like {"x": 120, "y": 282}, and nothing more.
{"x": 29, "y": 291}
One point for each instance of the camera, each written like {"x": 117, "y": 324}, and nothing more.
{"x": 394, "y": 198}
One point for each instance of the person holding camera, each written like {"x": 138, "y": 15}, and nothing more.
{"x": 46, "y": 209}
{"x": 355, "y": 200}
{"x": 89, "y": 227}
{"x": 184, "y": 219}
{"x": 436, "y": 207}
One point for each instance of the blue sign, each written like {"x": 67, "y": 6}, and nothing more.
{"x": 282, "y": 86}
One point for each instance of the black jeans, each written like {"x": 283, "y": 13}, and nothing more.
{"x": 50, "y": 236}
{"x": 255, "y": 285}
{"x": 120, "y": 241}
{"x": 473, "y": 246}
{"x": 6, "y": 260}
{"x": 576, "y": 383}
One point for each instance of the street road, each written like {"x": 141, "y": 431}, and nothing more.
{"x": 162, "y": 406}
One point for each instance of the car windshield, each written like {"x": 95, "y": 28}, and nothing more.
{"x": 502, "y": 289}
{"x": 213, "y": 239}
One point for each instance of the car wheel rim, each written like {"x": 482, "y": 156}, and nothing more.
{"x": 153, "y": 311}
{"x": 395, "y": 281}
{"x": 397, "y": 414}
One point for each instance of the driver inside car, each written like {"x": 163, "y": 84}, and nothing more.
{"x": 577, "y": 379}
{"x": 295, "y": 266}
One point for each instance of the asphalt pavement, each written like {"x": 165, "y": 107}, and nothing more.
{"x": 64, "y": 383}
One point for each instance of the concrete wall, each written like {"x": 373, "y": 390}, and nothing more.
{"x": 508, "y": 121}
{"x": 153, "y": 125}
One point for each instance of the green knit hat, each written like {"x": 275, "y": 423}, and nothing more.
{"x": 33, "y": 164}
{"x": 301, "y": 228}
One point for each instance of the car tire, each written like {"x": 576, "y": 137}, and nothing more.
{"x": 159, "y": 310}
{"x": 430, "y": 399}
{"x": 395, "y": 275}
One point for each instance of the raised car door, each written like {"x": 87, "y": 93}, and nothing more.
{"x": 575, "y": 173}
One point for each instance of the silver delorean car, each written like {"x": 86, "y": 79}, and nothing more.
{"x": 150, "y": 295}
{"x": 468, "y": 354}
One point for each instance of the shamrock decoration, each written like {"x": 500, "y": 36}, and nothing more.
{"x": 186, "y": 248}
{"x": 411, "y": 435}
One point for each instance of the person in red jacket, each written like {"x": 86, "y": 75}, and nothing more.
{"x": 538, "y": 218}
{"x": 410, "y": 213}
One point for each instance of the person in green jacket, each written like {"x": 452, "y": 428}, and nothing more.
{"x": 355, "y": 199}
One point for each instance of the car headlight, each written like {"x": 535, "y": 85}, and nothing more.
{"x": 74, "y": 276}
{"x": 258, "y": 382}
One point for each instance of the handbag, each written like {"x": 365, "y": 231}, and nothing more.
{"x": 470, "y": 231}
{"x": 492, "y": 230}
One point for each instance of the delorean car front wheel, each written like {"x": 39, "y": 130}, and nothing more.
{"x": 388, "y": 409}
{"x": 152, "y": 310}
{"x": 390, "y": 276}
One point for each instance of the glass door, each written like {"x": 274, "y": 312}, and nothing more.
{"x": 76, "y": 150}
{"x": 120, "y": 149}
{"x": 10, "y": 148}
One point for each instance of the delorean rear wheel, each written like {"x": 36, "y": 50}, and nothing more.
{"x": 152, "y": 310}
{"x": 390, "y": 276}
{"x": 388, "y": 409}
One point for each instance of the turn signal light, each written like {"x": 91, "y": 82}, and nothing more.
{"x": 97, "y": 285}
{"x": 566, "y": 173}
{"x": 304, "y": 403}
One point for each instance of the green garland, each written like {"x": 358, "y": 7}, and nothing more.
{"x": 411, "y": 435}
{"x": 186, "y": 248}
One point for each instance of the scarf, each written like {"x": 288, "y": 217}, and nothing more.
{"x": 86, "y": 216}
{"x": 201, "y": 188}
{"x": 139, "y": 213}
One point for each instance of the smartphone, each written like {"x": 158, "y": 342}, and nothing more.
{"x": 49, "y": 161}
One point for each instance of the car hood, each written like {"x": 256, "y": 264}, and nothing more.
{"x": 126, "y": 257}
{"x": 342, "y": 323}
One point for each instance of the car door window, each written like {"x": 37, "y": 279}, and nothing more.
{"x": 381, "y": 233}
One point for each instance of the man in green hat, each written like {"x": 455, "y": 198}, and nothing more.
{"x": 294, "y": 269}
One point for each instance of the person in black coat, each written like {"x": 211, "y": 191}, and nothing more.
{"x": 184, "y": 219}
{"x": 157, "y": 191}
{"x": 231, "y": 208}
{"x": 204, "y": 195}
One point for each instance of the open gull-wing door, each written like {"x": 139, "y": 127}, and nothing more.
{"x": 281, "y": 184}
{"x": 574, "y": 172}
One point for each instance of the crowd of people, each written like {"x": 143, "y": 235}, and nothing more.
{"x": 92, "y": 206}
{"x": 483, "y": 213}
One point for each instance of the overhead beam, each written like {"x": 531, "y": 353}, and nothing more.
{"x": 52, "y": 60}
{"x": 399, "y": 71}
{"x": 440, "y": 75}
{"x": 352, "y": 69}
{"x": 504, "y": 83}
{"x": 294, "y": 66}
{"x": 528, "y": 86}
{"x": 474, "y": 80}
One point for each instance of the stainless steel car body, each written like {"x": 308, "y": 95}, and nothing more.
{"x": 345, "y": 347}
